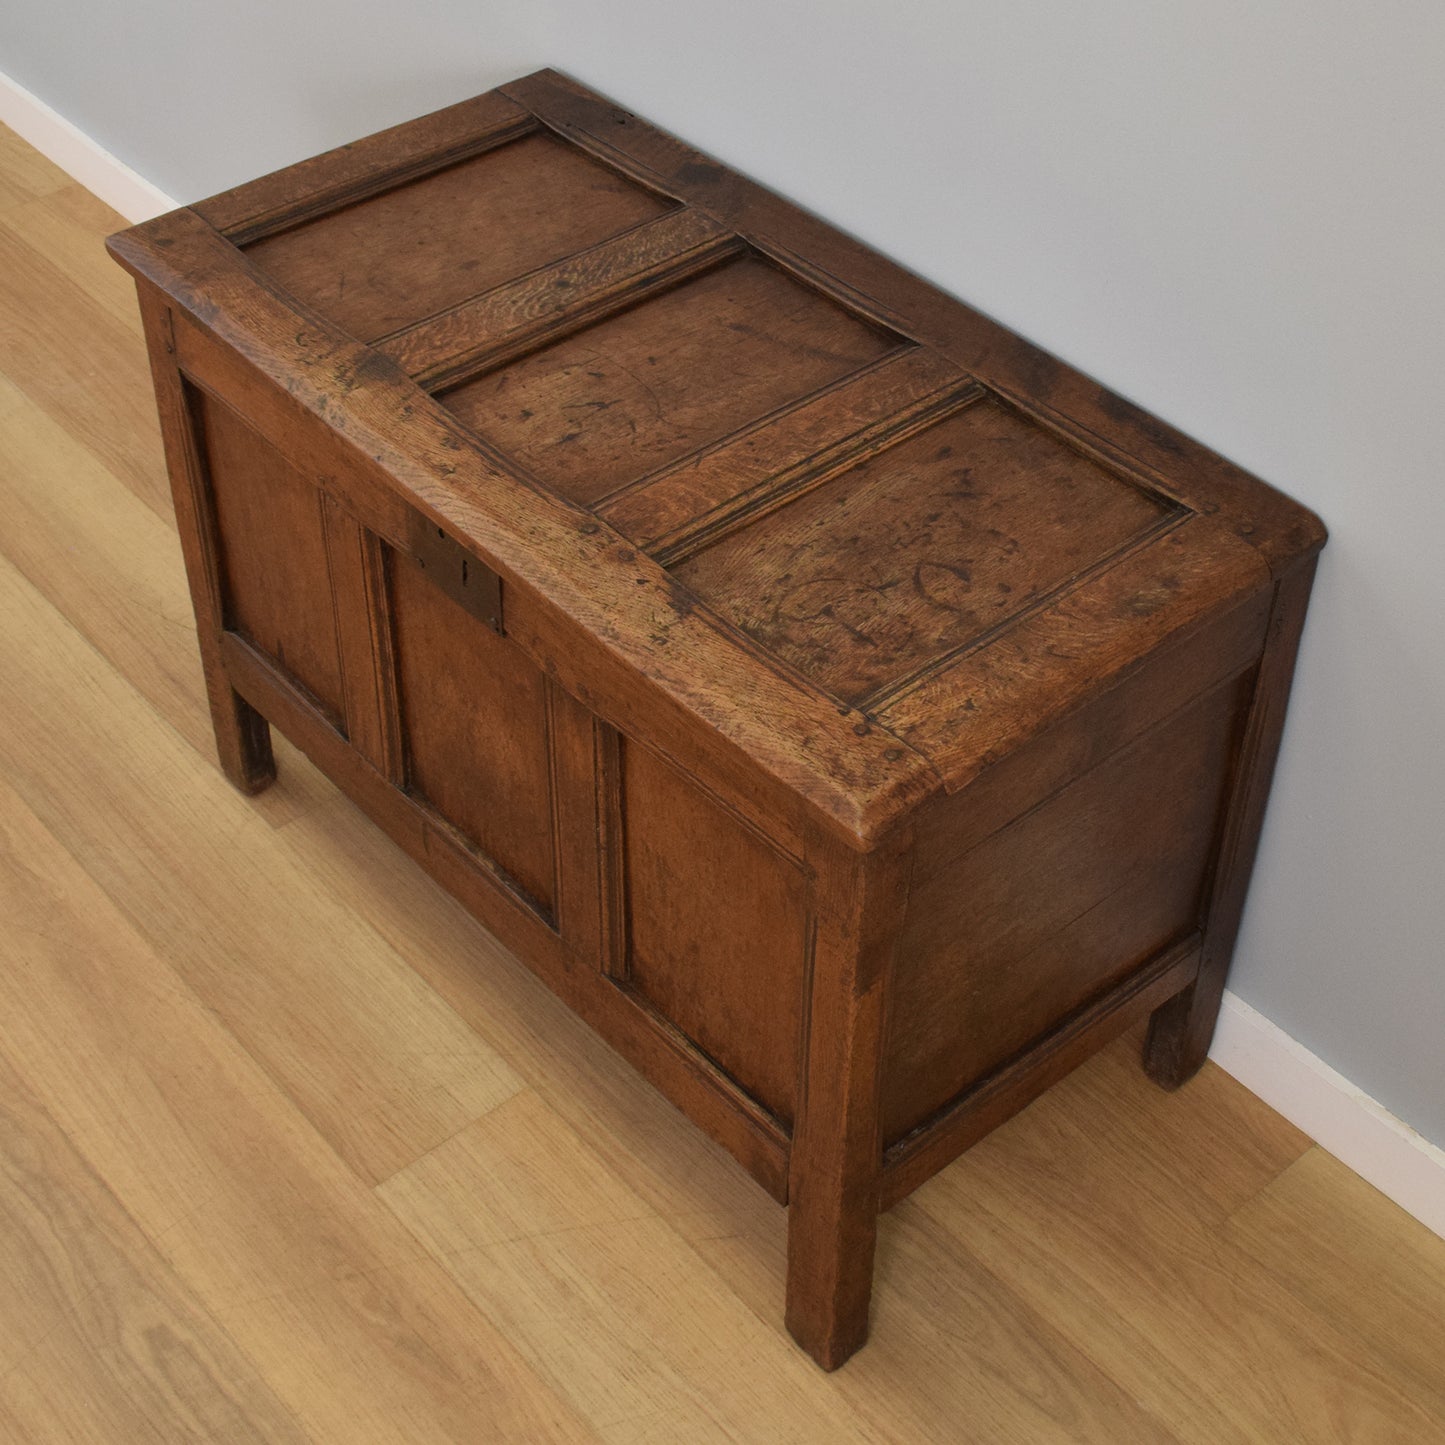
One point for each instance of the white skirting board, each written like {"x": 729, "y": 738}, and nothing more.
{"x": 1346, "y": 1121}
{"x": 1266, "y": 1060}
{"x": 74, "y": 151}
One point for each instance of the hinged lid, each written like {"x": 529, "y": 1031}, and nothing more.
{"x": 871, "y": 537}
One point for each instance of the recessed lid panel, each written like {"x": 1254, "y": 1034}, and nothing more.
{"x": 419, "y": 248}
{"x": 922, "y": 550}
{"x": 617, "y": 400}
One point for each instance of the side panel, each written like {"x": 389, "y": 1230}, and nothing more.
{"x": 1057, "y": 906}
{"x": 716, "y": 931}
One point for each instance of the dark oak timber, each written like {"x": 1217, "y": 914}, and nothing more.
{"x": 835, "y": 1169}
{"x": 517, "y": 317}
{"x": 243, "y": 737}
{"x": 1181, "y": 1029}
{"x": 855, "y": 714}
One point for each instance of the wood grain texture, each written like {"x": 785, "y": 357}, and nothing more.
{"x": 969, "y": 1116}
{"x": 988, "y": 702}
{"x": 673, "y": 511}
{"x": 481, "y": 762}
{"x": 519, "y": 315}
{"x": 725, "y": 963}
{"x": 625, "y": 397}
{"x": 313, "y": 1283}
{"x": 570, "y": 1240}
{"x": 44, "y": 314}
{"x": 273, "y": 570}
{"x": 407, "y": 253}
{"x": 83, "y": 1282}
{"x": 1114, "y": 1264}
{"x": 1066, "y": 1213}
{"x": 1062, "y": 903}
{"x": 25, "y": 174}
{"x": 60, "y": 221}
{"x": 1194, "y": 665}
{"x": 1353, "y": 1233}
{"x": 919, "y": 550}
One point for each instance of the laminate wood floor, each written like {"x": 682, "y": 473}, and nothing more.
{"x": 291, "y": 1150}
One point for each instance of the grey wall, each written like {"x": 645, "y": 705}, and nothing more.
{"x": 1233, "y": 214}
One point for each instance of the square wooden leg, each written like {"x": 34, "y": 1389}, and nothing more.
{"x": 243, "y": 737}
{"x": 837, "y": 1154}
{"x": 833, "y": 1201}
{"x": 1180, "y": 1031}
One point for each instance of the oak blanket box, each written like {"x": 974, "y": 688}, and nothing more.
{"x": 855, "y": 714}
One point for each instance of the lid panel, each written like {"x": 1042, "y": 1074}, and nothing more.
{"x": 673, "y": 511}
{"x": 419, "y": 248}
{"x": 922, "y": 550}
{"x": 1190, "y": 583}
{"x": 617, "y": 400}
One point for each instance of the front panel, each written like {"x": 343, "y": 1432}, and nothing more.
{"x": 271, "y": 550}
{"x": 474, "y": 728}
{"x": 470, "y": 710}
{"x": 716, "y": 933}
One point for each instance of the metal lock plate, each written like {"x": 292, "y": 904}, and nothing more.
{"x": 469, "y": 583}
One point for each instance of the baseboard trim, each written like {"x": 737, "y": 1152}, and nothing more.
{"x": 1383, "y": 1150}
{"x": 76, "y": 153}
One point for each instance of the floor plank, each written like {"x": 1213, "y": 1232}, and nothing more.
{"x": 83, "y": 367}
{"x": 66, "y": 224}
{"x": 112, "y": 568}
{"x": 98, "y": 1339}
{"x": 373, "y": 1057}
{"x": 1122, "y": 1246}
{"x": 1354, "y": 1234}
{"x": 355, "y": 1328}
{"x": 25, "y": 174}
{"x": 600, "y": 1292}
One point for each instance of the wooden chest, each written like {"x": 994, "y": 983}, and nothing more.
{"x": 855, "y": 714}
